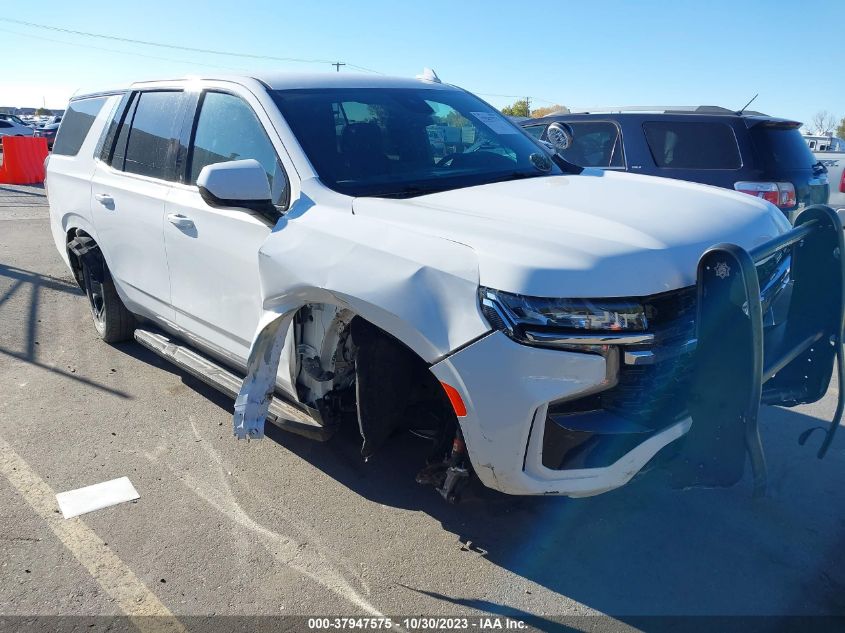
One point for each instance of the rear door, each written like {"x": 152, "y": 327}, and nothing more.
{"x": 129, "y": 189}
{"x": 213, "y": 252}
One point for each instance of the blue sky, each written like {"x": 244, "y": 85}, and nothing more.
{"x": 575, "y": 53}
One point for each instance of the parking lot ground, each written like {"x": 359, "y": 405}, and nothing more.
{"x": 288, "y": 526}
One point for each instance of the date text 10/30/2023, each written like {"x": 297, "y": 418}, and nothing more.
{"x": 417, "y": 623}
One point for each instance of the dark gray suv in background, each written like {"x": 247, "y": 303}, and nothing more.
{"x": 749, "y": 151}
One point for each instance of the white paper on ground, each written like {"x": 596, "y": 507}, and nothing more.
{"x": 75, "y": 502}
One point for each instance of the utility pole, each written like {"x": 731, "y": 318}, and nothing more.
{"x": 528, "y": 104}
{"x": 337, "y": 65}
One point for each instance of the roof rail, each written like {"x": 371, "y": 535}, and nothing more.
{"x": 701, "y": 109}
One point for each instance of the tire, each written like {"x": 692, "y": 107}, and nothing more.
{"x": 113, "y": 322}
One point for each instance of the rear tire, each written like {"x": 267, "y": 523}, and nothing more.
{"x": 113, "y": 322}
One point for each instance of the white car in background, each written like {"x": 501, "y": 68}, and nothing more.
{"x": 297, "y": 242}
{"x": 11, "y": 127}
{"x": 835, "y": 163}
{"x": 15, "y": 118}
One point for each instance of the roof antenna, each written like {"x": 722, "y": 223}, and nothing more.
{"x": 429, "y": 75}
{"x": 742, "y": 109}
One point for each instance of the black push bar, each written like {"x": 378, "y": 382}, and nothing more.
{"x": 777, "y": 349}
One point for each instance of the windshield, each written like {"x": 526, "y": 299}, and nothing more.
{"x": 403, "y": 142}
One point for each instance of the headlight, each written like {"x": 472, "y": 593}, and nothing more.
{"x": 587, "y": 324}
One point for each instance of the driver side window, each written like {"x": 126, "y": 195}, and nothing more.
{"x": 227, "y": 129}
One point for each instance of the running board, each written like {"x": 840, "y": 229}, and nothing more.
{"x": 280, "y": 413}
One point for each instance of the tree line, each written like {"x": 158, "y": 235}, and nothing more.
{"x": 824, "y": 124}
{"x": 522, "y": 108}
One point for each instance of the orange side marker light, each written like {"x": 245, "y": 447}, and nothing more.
{"x": 456, "y": 400}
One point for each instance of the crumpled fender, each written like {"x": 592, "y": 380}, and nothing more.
{"x": 418, "y": 288}
{"x": 253, "y": 400}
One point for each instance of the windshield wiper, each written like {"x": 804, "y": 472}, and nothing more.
{"x": 409, "y": 191}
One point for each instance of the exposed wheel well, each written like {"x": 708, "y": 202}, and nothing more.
{"x": 346, "y": 365}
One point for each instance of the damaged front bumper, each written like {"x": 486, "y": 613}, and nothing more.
{"x": 511, "y": 392}
{"x": 765, "y": 326}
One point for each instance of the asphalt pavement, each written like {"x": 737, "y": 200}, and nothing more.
{"x": 286, "y": 526}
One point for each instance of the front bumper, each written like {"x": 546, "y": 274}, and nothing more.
{"x": 508, "y": 390}
{"x": 543, "y": 421}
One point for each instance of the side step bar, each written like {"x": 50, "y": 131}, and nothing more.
{"x": 280, "y": 413}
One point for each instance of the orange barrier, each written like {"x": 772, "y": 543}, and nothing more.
{"x": 23, "y": 160}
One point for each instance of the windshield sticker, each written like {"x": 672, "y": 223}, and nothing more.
{"x": 494, "y": 122}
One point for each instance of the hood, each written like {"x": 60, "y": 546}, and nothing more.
{"x": 596, "y": 234}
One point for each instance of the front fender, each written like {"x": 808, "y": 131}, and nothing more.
{"x": 420, "y": 289}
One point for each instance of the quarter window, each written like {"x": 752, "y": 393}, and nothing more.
{"x": 227, "y": 129}
{"x": 77, "y": 123}
{"x": 154, "y": 127}
{"x": 687, "y": 145}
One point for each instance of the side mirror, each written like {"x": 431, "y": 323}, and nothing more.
{"x": 237, "y": 183}
{"x": 560, "y": 136}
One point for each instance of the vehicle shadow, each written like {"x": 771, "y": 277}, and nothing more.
{"x": 18, "y": 191}
{"x": 645, "y": 549}
{"x": 24, "y": 282}
{"x": 142, "y": 354}
{"x": 641, "y": 551}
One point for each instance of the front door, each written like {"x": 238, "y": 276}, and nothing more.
{"x": 213, "y": 252}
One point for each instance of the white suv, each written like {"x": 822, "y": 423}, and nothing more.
{"x": 395, "y": 254}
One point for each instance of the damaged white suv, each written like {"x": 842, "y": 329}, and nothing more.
{"x": 395, "y": 254}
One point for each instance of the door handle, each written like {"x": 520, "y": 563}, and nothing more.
{"x": 104, "y": 199}
{"x": 180, "y": 221}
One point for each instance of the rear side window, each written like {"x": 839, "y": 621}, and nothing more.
{"x": 227, "y": 129}
{"x": 152, "y": 134}
{"x": 4, "y": 124}
{"x": 595, "y": 144}
{"x": 692, "y": 145}
{"x": 781, "y": 148}
{"x": 76, "y": 124}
